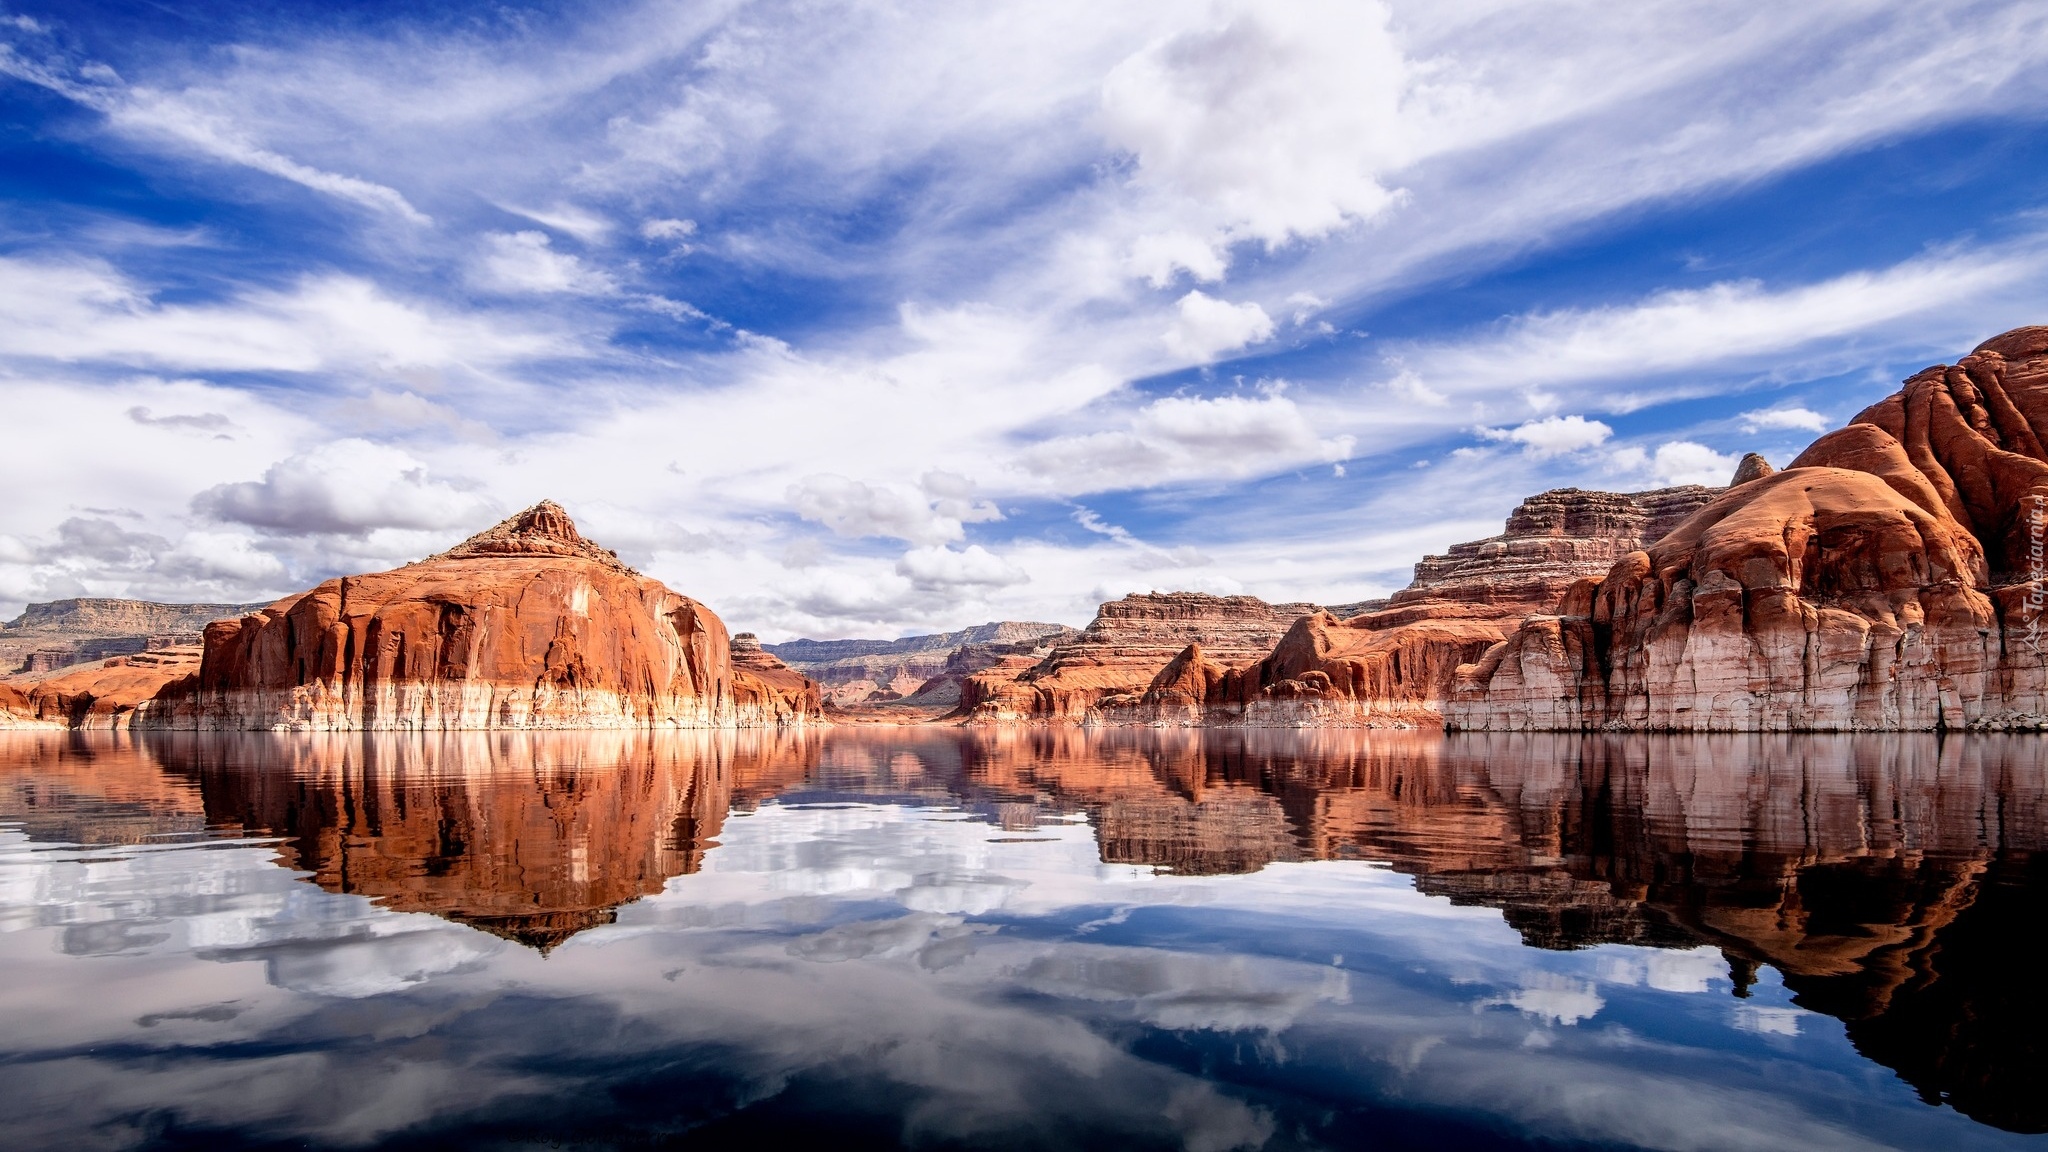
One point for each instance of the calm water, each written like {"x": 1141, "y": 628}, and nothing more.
{"x": 944, "y": 939}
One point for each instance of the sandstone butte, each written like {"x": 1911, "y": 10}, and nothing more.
{"x": 1113, "y": 660}
{"x": 525, "y": 625}
{"x": 1186, "y": 658}
{"x": 1890, "y": 578}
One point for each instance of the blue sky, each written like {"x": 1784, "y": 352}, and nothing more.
{"x": 876, "y": 318}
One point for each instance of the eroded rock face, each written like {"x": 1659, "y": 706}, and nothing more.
{"x": 1551, "y": 540}
{"x": 1116, "y": 658}
{"x": 526, "y": 625}
{"x": 1890, "y": 578}
{"x": 1391, "y": 663}
{"x": 922, "y": 670}
{"x": 123, "y": 692}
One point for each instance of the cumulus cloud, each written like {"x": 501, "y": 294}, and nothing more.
{"x": 521, "y": 262}
{"x": 348, "y": 487}
{"x": 229, "y": 558}
{"x": 1274, "y": 122}
{"x": 1554, "y": 435}
{"x": 975, "y": 566}
{"x": 1678, "y": 462}
{"x": 103, "y": 541}
{"x": 1784, "y": 419}
{"x": 932, "y": 513}
{"x": 1206, "y": 327}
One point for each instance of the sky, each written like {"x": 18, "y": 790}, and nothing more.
{"x": 871, "y": 318}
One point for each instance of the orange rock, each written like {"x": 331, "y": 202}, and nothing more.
{"x": 1892, "y": 577}
{"x": 1117, "y": 657}
{"x": 527, "y": 625}
{"x": 123, "y": 692}
{"x": 1391, "y": 663}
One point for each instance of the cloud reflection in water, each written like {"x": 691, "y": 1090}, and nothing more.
{"x": 1020, "y": 939}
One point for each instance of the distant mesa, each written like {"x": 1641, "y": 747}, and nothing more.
{"x": 916, "y": 677}
{"x": 524, "y": 625}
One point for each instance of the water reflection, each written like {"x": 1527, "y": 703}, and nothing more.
{"x": 1888, "y": 882}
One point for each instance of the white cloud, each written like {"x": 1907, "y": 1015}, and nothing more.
{"x": 931, "y": 514}
{"x": 1724, "y": 325}
{"x": 1180, "y": 438}
{"x": 1207, "y": 327}
{"x": 1785, "y": 419}
{"x": 1554, "y": 435}
{"x": 1553, "y": 998}
{"x": 1678, "y": 462}
{"x": 670, "y": 231}
{"x": 1275, "y": 121}
{"x": 527, "y": 262}
{"x": 161, "y": 116}
{"x": 346, "y": 487}
{"x": 583, "y": 224}
{"x": 85, "y": 311}
{"x": 221, "y": 557}
{"x": 940, "y": 567}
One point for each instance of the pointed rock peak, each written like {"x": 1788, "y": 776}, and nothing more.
{"x": 542, "y": 530}
{"x": 1753, "y": 467}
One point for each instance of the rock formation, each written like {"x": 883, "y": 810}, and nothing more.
{"x": 1129, "y": 643}
{"x": 533, "y": 837}
{"x": 123, "y": 692}
{"x": 853, "y": 673}
{"x": 1392, "y": 662}
{"x": 526, "y": 625}
{"x": 1891, "y": 577}
{"x": 757, "y": 669}
{"x": 59, "y": 633}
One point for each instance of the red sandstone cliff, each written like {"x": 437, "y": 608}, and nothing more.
{"x": 1891, "y": 577}
{"x": 1119, "y": 654}
{"x": 526, "y": 625}
{"x": 1391, "y": 662}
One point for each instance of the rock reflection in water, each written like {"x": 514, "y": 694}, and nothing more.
{"x": 1892, "y": 881}
{"x": 529, "y": 836}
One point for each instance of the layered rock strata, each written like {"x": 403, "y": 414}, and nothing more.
{"x": 1112, "y": 662}
{"x": 1892, "y": 577}
{"x": 853, "y": 673}
{"x": 526, "y": 625}
{"x": 1391, "y": 663}
{"x": 48, "y": 636}
{"x": 123, "y": 692}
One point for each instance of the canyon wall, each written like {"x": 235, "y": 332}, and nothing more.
{"x": 1890, "y": 578}
{"x": 1116, "y": 658}
{"x": 921, "y": 671}
{"x": 1383, "y": 663}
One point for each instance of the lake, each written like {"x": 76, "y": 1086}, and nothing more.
{"x": 948, "y": 938}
